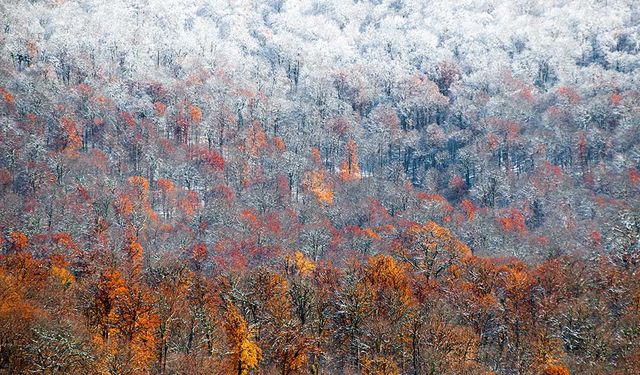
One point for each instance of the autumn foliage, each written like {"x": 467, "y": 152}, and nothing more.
{"x": 428, "y": 304}
{"x": 365, "y": 190}
{"x": 316, "y": 183}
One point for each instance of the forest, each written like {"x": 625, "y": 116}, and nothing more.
{"x": 320, "y": 187}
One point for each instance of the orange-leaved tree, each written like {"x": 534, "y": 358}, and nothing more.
{"x": 349, "y": 167}
{"x": 431, "y": 249}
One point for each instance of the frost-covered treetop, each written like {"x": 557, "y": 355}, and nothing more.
{"x": 377, "y": 38}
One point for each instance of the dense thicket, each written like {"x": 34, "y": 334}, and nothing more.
{"x": 370, "y": 187}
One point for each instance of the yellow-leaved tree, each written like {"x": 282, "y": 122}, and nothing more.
{"x": 245, "y": 353}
